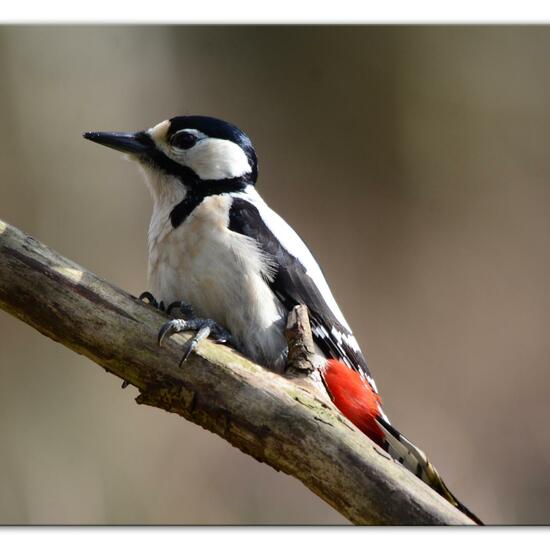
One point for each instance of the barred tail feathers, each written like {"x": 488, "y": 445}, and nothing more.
{"x": 408, "y": 454}
{"x": 358, "y": 401}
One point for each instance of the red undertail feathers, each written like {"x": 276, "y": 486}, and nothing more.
{"x": 358, "y": 402}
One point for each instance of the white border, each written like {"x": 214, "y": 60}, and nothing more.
{"x": 280, "y": 11}
{"x": 242, "y": 538}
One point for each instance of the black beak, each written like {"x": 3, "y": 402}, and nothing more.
{"x": 128, "y": 143}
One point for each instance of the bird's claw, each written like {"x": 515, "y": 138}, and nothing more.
{"x": 203, "y": 327}
{"x": 186, "y": 309}
{"x": 171, "y": 327}
{"x": 202, "y": 334}
{"x": 148, "y": 298}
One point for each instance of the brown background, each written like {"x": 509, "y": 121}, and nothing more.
{"x": 413, "y": 160}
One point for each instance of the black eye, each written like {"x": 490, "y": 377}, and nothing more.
{"x": 183, "y": 140}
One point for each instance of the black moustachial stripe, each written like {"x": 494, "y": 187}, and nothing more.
{"x": 197, "y": 189}
{"x": 292, "y": 285}
{"x": 161, "y": 161}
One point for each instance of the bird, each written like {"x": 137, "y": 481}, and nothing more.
{"x": 235, "y": 269}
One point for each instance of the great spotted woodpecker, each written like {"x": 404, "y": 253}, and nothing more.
{"x": 217, "y": 247}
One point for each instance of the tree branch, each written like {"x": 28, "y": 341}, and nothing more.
{"x": 301, "y": 351}
{"x": 261, "y": 413}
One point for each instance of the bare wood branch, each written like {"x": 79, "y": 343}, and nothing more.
{"x": 302, "y": 360}
{"x": 301, "y": 351}
{"x": 257, "y": 411}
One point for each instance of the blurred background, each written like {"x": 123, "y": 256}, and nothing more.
{"x": 414, "y": 162}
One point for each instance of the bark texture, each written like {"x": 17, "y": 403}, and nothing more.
{"x": 263, "y": 414}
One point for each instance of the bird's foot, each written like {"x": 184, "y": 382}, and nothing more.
{"x": 185, "y": 309}
{"x": 148, "y": 298}
{"x": 203, "y": 327}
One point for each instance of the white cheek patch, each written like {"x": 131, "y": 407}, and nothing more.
{"x": 209, "y": 158}
{"x": 214, "y": 159}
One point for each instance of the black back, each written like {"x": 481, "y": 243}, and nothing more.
{"x": 292, "y": 285}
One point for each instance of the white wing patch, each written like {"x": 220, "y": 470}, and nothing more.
{"x": 349, "y": 339}
{"x": 333, "y": 334}
{"x": 294, "y": 245}
{"x": 319, "y": 331}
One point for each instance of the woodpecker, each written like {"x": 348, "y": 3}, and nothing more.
{"x": 235, "y": 268}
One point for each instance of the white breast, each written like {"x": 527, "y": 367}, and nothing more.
{"x": 221, "y": 274}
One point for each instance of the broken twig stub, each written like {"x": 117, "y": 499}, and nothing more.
{"x": 302, "y": 360}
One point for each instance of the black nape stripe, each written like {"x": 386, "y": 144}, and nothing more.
{"x": 199, "y": 191}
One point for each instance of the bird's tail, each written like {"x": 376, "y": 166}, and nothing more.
{"x": 402, "y": 450}
{"x": 358, "y": 401}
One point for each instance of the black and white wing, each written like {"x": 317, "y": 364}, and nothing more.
{"x": 297, "y": 278}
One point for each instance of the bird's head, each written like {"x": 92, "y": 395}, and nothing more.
{"x": 188, "y": 154}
